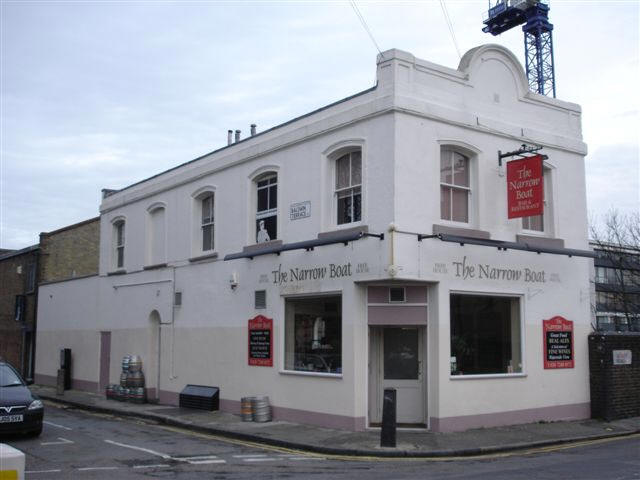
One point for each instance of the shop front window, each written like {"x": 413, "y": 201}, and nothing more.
{"x": 313, "y": 334}
{"x": 485, "y": 335}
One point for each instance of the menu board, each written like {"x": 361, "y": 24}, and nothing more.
{"x": 558, "y": 343}
{"x": 261, "y": 341}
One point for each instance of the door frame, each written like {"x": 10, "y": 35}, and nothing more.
{"x": 376, "y": 373}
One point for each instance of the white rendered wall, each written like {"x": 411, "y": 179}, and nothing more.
{"x": 400, "y": 126}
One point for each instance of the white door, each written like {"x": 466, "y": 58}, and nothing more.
{"x": 397, "y": 363}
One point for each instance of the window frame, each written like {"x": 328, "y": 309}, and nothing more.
{"x": 523, "y": 353}
{"x": 197, "y": 235}
{"x": 547, "y": 214}
{"x": 283, "y": 335}
{"x": 352, "y": 187}
{"x": 269, "y": 212}
{"x": 469, "y": 155}
{"x": 119, "y": 243}
{"x": 254, "y": 215}
{"x": 328, "y": 208}
{"x": 30, "y": 279}
{"x": 210, "y": 224}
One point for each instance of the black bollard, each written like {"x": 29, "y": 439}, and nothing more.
{"x": 388, "y": 432}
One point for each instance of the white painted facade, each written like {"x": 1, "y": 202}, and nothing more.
{"x": 400, "y": 127}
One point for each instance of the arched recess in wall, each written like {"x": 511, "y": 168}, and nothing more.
{"x": 154, "y": 356}
{"x": 156, "y": 233}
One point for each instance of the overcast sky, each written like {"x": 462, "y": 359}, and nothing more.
{"x": 103, "y": 94}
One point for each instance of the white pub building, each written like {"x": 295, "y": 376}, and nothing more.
{"x": 363, "y": 246}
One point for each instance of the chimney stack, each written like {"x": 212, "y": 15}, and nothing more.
{"x": 237, "y": 135}
{"x": 229, "y": 137}
{"x": 253, "y": 129}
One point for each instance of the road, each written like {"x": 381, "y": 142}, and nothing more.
{"x": 82, "y": 445}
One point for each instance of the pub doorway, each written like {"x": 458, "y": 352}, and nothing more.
{"x": 396, "y": 360}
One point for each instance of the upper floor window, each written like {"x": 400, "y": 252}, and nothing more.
{"x": 536, "y": 223}
{"x": 118, "y": 231}
{"x": 31, "y": 278}
{"x": 348, "y": 190}
{"x": 267, "y": 207}
{"x": 454, "y": 186}
{"x": 207, "y": 223}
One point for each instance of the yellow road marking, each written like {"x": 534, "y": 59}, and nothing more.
{"x": 357, "y": 458}
{"x": 531, "y": 451}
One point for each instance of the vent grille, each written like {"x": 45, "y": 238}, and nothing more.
{"x": 396, "y": 294}
{"x": 261, "y": 299}
{"x": 177, "y": 300}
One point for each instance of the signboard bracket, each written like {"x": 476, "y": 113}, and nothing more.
{"x": 524, "y": 148}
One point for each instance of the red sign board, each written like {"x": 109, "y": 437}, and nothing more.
{"x": 261, "y": 341}
{"x": 557, "y": 342}
{"x": 525, "y": 187}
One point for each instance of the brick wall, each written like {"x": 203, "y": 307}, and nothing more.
{"x": 70, "y": 252}
{"x": 615, "y": 389}
{"x": 14, "y": 272}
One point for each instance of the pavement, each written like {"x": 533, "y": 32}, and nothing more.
{"x": 410, "y": 443}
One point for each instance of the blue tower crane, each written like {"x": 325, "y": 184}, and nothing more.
{"x": 538, "y": 41}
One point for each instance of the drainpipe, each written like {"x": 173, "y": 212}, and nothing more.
{"x": 392, "y": 269}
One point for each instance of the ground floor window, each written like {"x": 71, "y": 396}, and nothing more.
{"x": 485, "y": 335}
{"x": 313, "y": 334}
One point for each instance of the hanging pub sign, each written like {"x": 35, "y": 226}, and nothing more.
{"x": 261, "y": 341}
{"x": 525, "y": 189}
{"x": 558, "y": 343}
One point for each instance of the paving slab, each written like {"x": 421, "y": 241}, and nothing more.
{"x": 414, "y": 443}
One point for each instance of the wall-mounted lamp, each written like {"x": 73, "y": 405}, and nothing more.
{"x": 233, "y": 281}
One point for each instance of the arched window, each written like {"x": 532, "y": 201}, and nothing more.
{"x": 348, "y": 188}
{"x": 118, "y": 243}
{"x": 266, "y": 186}
{"x": 207, "y": 224}
{"x": 455, "y": 186}
{"x": 203, "y": 221}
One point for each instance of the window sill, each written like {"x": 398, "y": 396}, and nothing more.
{"x": 120, "y": 271}
{"x": 258, "y": 247}
{"x": 155, "y": 266}
{"x": 540, "y": 240}
{"x": 348, "y": 227}
{"x": 202, "y": 258}
{"x": 460, "y": 230}
{"x": 487, "y": 376}
{"x": 310, "y": 374}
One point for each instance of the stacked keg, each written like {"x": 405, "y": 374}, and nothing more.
{"x": 131, "y": 386}
{"x": 246, "y": 409}
{"x": 256, "y": 409}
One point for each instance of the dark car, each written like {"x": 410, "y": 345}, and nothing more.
{"x": 20, "y": 410}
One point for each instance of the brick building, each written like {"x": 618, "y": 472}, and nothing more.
{"x": 67, "y": 253}
{"x": 70, "y": 252}
{"x": 18, "y": 306}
